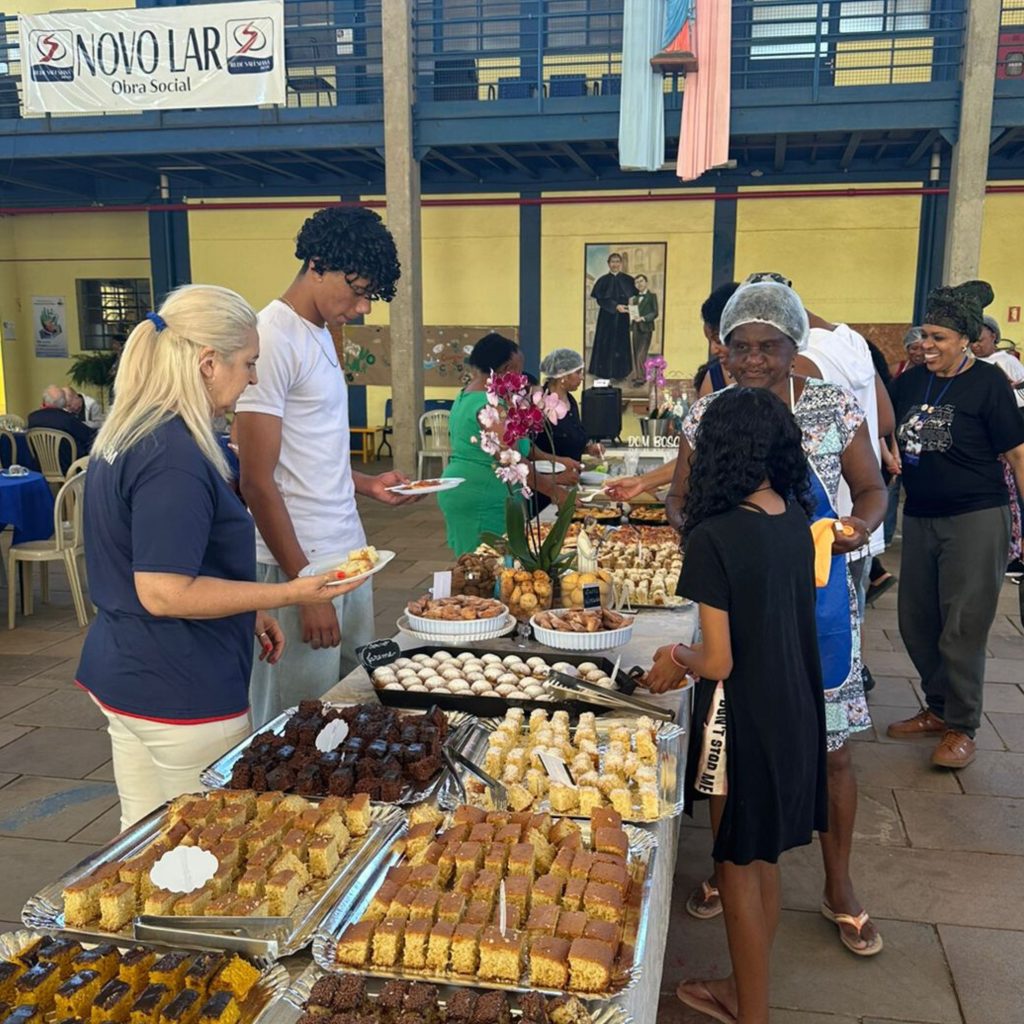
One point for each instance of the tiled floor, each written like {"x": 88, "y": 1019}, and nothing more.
{"x": 939, "y": 858}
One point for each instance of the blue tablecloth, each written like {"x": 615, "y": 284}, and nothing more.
{"x": 24, "y": 456}
{"x": 26, "y": 503}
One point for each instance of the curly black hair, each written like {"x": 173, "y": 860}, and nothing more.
{"x": 711, "y": 308}
{"x": 352, "y": 240}
{"x": 746, "y": 436}
{"x": 491, "y": 352}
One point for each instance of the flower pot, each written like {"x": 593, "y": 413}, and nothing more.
{"x": 652, "y": 428}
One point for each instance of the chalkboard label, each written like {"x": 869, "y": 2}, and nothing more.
{"x": 377, "y": 653}
{"x": 591, "y": 595}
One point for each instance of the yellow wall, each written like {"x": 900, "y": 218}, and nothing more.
{"x": 851, "y": 260}
{"x": 51, "y": 251}
{"x": 1000, "y": 257}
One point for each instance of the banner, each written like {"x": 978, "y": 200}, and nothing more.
{"x": 49, "y": 327}
{"x": 207, "y": 55}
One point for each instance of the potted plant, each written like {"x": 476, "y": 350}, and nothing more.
{"x": 659, "y": 412}
{"x": 93, "y": 370}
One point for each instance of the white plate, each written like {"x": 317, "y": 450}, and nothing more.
{"x": 593, "y": 479}
{"x": 322, "y": 565}
{"x": 544, "y": 466}
{"x": 447, "y": 484}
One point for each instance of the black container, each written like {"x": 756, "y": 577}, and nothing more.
{"x": 495, "y": 707}
{"x": 602, "y": 413}
{"x": 635, "y": 521}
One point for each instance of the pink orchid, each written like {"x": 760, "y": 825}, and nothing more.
{"x": 489, "y": 417}
{"x": 515, "y": 475}
{"x": 523, "y": 421}
{"x": 506, "y": 385}
{"x": 554, "y": 408}
{"x": 490, "y": 443}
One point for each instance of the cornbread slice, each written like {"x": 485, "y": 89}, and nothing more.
{"x": 283, "y": 892}
{"x": 562, "y": 797}
{"x": 522, "y": 859}
{"x": 237, "y": 976}
{"x": 290, "y": 861}
{"x": 611, "y": 840}
{"x": 549, "y": 962}
{"x": 605, "y": 817}
{"x": 426, "y": 811}
{"x": 10, "y": 971}
{"x": 417, "y": 934}
{"x": 266, "y": 804}
{"x": 467, "y": 814}
{"x": 465, "y": 950}
{"x": 117, "y": 906}
{"x": 147, "y": 1007}
{"x": 74, "y": 997}
{"x": 561, "y": 829}
{"x": 37, "y": 985}
{"x": 424, "y": 875}
{"x": 402, "y": 902}
{"x": 562, "y": 864}
{"x": 424, "y": 904}
{"x": 357, "y": 814}
{"x": 377, "y": 909}
{"x": 387, "y": 941}
{"x": 418, "y": 838}
{"x": 543, "y": 920}
{"x": 220, "y": 906}
{"x": 203, "y": 969}
{"x": 477, "y": 912}
{"x": 451, "y": 907}
{"x": 496, "y": 858}
{"x": 509, "y": 834}
{"x": 590, "y": 965}
{"x": 170, "y": 970}
{"x": 322, "y": 852}
{"x": 547, "y": 889}
{"x": 468, "y": 857}
{"x": 603, "y": 931}
{"x": 581, "y": 865}
{"x": 333, "y": 825}
{"x": 82, "y": 898}
{"x": 614, "y": 875}
{"x": 517, "y": 892}
{"x": 571, "y": 924}
{"x": 160, "y": 901}
{"x": 221, "y": 1008}
{"x": 135, "y": 965}
{"x": 353, "y": 948}
{"x": 244, "y": 798}
{"x": 252, "y": 883}
{"x": 589, "y": 797}
{"x": 192, "y": 903}
{"x": 621, "y": 798}
{"x": 603, "y": 901}
{"x": 183, "y": 1008}
{"x": 464, "y": 883}
{"x": 485, "y": 886}
{"x": 103, "y": 959}
{"x": 501, "y": 956}
{"x": 572, "y": 895}
{"x": 439, "y": 945}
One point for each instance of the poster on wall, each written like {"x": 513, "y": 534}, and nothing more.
{"x": 623, "y": 316}
{"x": 365, "y": 353}
{"x": 197, "y": 55}
{"x": 49, "y": 326}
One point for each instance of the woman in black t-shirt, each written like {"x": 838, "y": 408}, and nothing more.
{"x": 750, "y": 566}
{"x": 955, "y": 416}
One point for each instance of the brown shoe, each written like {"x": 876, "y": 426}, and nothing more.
{"x": 922, "y": 723}
{"x": 955, "y": 750}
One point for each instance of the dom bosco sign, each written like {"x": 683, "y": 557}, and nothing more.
{"x": 212, "y": 55}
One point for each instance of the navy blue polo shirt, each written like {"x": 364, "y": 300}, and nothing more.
{"x": 162, "y": 507}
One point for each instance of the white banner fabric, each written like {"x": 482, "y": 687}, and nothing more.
{"x": 167, "y": 58}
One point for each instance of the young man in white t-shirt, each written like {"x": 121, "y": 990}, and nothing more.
{"x": 293, "y": 448}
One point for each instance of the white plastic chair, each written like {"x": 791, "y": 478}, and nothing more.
{"x": 76, "y": 467}
{"x": 435, "y": 442}
{"x": 46, "y": 445}
{"x": 66, "y": 545}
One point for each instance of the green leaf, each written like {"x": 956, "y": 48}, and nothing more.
{"x": 515, "y": 526}
{"x": 555, "y": 540}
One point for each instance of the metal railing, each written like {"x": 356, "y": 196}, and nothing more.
{"x": 526, "y": 49}
{"x": 821, "y": 43}
{"x": 332, "y": 55}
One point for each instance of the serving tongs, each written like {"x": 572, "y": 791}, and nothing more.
{"x": 453, "y": 758}
{"x": 571, "y": 688}
{"x": 254, "y": 935}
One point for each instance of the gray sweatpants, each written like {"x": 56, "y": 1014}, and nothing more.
{"x": 303, "y": 673}
{"x": 950, "y": 576}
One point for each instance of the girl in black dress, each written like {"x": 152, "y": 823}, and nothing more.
{"x": 749, "y": 565}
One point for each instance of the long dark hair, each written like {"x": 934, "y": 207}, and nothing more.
{"x": 746, "y": 436}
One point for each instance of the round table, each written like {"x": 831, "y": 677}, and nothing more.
{"x": 26, "y": 503}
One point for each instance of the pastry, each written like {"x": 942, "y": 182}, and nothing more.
{"x": 183, "y": 1008}
{"x": 353, "y": 946}
{"x": 112, "y": 1003}
{"x": 590, "y": 965}
{"x": 237, "y": 977}
{"x": 549, "y": 962}
{"x": 74, "y": 997}
{"x": 501, "y": 956}
{"x": 220, "y": 1008}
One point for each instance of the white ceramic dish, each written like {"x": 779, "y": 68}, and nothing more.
{"x": 601, "y": 641}
{"x": 593, "y": 479}
{"x": 545, "y": 466}
{"x": 496, "y": 628}
{"x": 449, "y": 483}
{"x": 463, "y": 629}
{"x": 324, "y": 565}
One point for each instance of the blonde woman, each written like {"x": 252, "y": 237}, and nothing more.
{"x": 171, "y": 553}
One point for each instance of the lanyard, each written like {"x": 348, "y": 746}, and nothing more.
{"x": 925, "y": 407}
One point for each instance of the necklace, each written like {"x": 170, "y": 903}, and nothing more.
{"x": 309, "y": 327}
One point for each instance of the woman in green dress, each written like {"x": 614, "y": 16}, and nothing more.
{"x": 478, "y": 505}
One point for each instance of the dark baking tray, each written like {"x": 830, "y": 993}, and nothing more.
{"x": 663, "y": 521}
{"x": 495, "y": 707}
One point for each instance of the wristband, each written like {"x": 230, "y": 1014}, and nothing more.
{"x": 672, "y": 655}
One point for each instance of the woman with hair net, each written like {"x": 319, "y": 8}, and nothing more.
{"x": 562, "y": 374}
{"x": 764, "y": 326}
{"x": 956, "y": 417}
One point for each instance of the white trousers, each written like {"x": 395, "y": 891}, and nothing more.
{"x": 155, "y": 762}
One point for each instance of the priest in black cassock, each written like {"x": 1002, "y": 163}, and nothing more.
{"x": 612, "y": 356}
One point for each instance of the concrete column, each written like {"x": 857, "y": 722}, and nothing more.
{"x": 969, "y": 172}
{"x": 402, "y": 177}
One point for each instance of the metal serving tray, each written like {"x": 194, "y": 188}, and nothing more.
{"x": 671, "y": 762}
{"x": 218, "y": 774}
{"x": 290, "y": 1006}
{"x": 643, "y": 847}
{"x": 45, "y": 910}
{"x": 264, "y": 998}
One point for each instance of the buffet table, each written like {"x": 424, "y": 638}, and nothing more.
{"x": 651, "y": 630}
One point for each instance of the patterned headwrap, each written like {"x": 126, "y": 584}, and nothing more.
{"x": 960, "y": 308}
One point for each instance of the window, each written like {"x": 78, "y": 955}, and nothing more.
{"x": 110, "y": 308}
{"x": 885, "y": 16}
{"x": 584, "y": 24}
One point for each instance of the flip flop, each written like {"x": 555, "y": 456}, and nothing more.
{"x": 872, "y": 948}
{"x": 704, "y": 902}
{"x": 703, "y": 1001}
{"x": 876, "y": 590}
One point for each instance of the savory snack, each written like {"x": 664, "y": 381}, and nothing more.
{"x": 576, "y": 620}
{"x": 618, "y": 774}
{"x": 574, "y": 582}
{"x": 359, "y": 561}
{"x": 385, "y": 754}
{"x": 643, "y": 574}
{"x": 654, "y": 514}
{"x": 475, "y": 574}
{"x": 456, "y": 609}
{"x": 525, "y": 593}
{"x": 46, "y": 982}
{"x": 267, "y": 867}
{"x": 485, "y": 931}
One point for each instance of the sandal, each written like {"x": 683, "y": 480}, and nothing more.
{"x": 697, "y": 996}
{"x": 869, "y": 948}
{"x": 704, "y": 902}
{"x": 876, "y": 590}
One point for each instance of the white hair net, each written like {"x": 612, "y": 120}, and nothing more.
{"x": 767, "y": 302}
{"x": 561, "y": 362}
